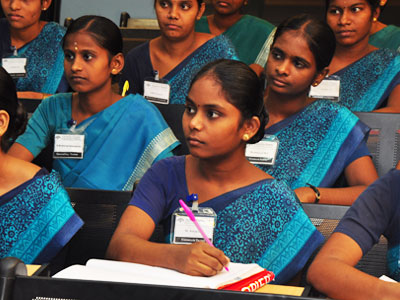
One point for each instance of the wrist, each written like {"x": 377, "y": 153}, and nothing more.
{"x": 316, "y": 193}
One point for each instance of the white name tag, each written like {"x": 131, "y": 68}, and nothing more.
{"x": 329, "y": 89}
{"x": 69, "y": 146}
{"x": 15, "y": 66}
{"x": 264, "y": 152}
{"x": 185, "y": 232}
{"x": 157, "y": 92}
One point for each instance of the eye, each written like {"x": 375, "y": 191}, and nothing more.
{"x": 299, "y": 64}
{"x": 87, "y": 56}
{"x": 276, "y": 54}
{"x": 190, "y": 110}
{"x": 69, "y": 56}
{"x": 356, "y": 9}
{"x": 213, "y": 114}
{"x": 185, "y": 6}
{"x": 334, "y": 11}
{"x": 163, "y": 4}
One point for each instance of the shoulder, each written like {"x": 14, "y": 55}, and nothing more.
{"x": 220, "y": 46}
{"x": 21, "y": 170}
{"x": 257, "y": 22}
{"x": 61, "y": 100}
{"x": 53, "y": 32}
{"x": 138, "y": 52}
{"x": 139, "y": 104}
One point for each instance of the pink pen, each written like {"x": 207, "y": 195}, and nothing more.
{"x": 189, "y": 213}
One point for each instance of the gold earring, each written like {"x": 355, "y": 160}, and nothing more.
{"x": 375, "y": 19}
{"x": 315, "y": 84}
{"x": 246, "y": 137}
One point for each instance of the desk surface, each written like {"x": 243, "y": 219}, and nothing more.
{"x": 27, "y": 288}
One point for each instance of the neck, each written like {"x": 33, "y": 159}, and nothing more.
{"x": 224, "y": 22}
{"x": 228, "y": 169}
{"x": 178, "y": 48}
{"x": 281, "y": 106}
{"x": 353, "y": 52}
{"x": 89, "y": 104}
{"x": 377, "y": 26}
{"x": 20, "y": 37}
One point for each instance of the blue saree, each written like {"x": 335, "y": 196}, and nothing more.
{"x": 45, "y": 67}
{"x": 138, "y": 67}
{"x": 388, "y": 37}
{"x": 316, "y": 144}
{"x": 121, "y": 142}
{"x": 36, "y": 219}
{"x": 368, "y": 82}
{"x": 261, "y": 223}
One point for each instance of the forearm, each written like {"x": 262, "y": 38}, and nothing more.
{"x": 338, "y": 196}
{"x": 341, "y": 281}
{"x": 127, "y": 247}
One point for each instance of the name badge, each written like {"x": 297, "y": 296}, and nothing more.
{"x": 15, "y": 66}
{"x": 329, "y": 88}
{"x": 157, "y": 91}
{"x": 69, "y": 146}
{"x": 183, "y": 230}
{"x": 264, "y": 152}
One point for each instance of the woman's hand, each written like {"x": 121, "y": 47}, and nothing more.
{"x": 305, "y": 194}
{"x": 199, "y": 259}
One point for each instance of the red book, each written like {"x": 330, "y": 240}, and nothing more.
{"x": 251, "y": 283}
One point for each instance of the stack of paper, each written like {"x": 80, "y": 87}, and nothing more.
{"x": 107, "y": 270}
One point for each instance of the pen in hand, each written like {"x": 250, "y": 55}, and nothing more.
{"x": 189, "y": 213}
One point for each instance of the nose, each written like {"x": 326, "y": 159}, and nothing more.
{"x": 344, "y": 18}
{"x": 283, "y": 67}
{"x": 173, "y": 12}
{"x": 196, "y": 122}
{"x": 15, "y": 5}
{"x": 76, "y": 65}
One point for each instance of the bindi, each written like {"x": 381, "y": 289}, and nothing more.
{"x": 76, "y": 46}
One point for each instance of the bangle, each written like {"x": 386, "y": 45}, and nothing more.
{"x": 316, "y": 191}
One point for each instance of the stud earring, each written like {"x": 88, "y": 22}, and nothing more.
{"x": 315, "y": 84}
{"x": 246, "y": 137}
{"x": 375, "y": 19}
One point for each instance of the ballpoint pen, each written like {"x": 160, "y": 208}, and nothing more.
{"x": 191, "y": 216}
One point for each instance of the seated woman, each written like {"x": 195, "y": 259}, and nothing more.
{"x": 382, "y": 35}
{"x": 247, "y": 33}
{"x": 369, "y": 77}
{"x": 177, "y": 54}
{"x": 318, "y": 139}
{"x": 259, "y": 218}
{"x": 96, "y": 131}
{"x": 36, "y": 216}
{"x": 376, "y": 212}
{"x": 23, "y": 34}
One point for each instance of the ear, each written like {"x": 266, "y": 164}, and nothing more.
{"x": 382, "y": 2}
{"x": 250, "y": 127}
{"x": 376, "y": 13}
{"x": 4, "y": 121}
{"x": 320, "y": 76}
{"x": 117, "y": 63}
{"x": 200, "y": 13}
{"x": 46, "y": 4}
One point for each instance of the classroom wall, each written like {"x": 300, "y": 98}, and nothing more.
{"x": 109, "y": 8}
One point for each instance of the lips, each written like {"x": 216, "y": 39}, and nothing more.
{"x": 278, "y": 82}
{"x": 192, "y": 141}
{"x": 76, "y": 79}
{"x": 14, "y": 17}
{"x": 345, "y": 33}
{"x": 172, "y": 26}
{"x": 223, "y": 4}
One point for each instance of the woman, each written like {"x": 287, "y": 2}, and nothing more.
{"x": 369, "y": 77}
{"x": 247, "y": 33}
{"x": 94, "y": 130}
{"x": 382, "y": 35}
{"x": 36, "y": 216}
{"x": 23, "y": 34}
{"x": 259, "y": 219}
{"x": 376, "y": 212}
{"x": 177, "y": 54}
{"x": 318, "y": 139}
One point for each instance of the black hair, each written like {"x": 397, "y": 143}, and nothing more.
{"x": 9, "y": 102}
{"x": 199, "y": 2}
{"x": 319, "y": 36}
{"x": 374, "y": 4}
{"x": 103, "y": 30}
{"x": 241, "y": 87}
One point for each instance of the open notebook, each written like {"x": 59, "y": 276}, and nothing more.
{"x": 107, "y": 270}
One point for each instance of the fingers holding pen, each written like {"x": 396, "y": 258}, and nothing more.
{"x": 200, "y": 259}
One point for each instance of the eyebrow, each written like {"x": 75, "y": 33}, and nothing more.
{"x": 294, "y": 57}
{"x": 212, "y": 106}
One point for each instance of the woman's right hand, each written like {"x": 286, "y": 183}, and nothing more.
{"x": 199, "y": 259}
